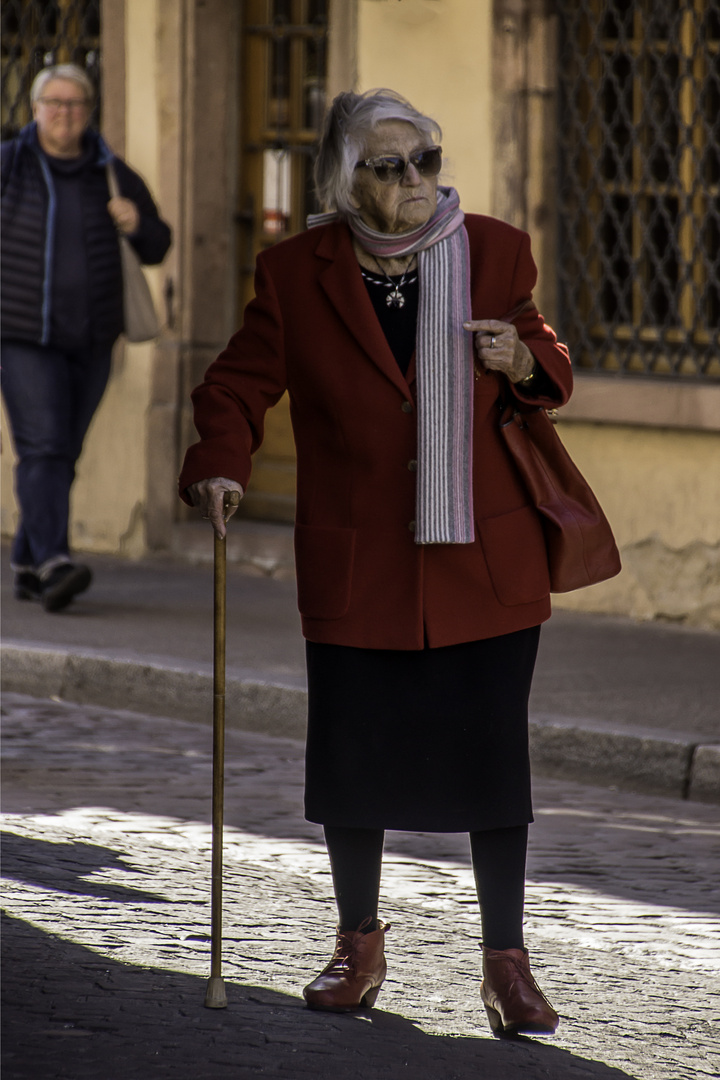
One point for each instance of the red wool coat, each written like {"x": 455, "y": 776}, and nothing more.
{"x": 362, "y": 580}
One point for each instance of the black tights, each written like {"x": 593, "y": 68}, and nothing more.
{"x": 498, "y": 858}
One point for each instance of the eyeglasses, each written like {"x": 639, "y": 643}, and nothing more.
{"x": 55, "y": 104}
{"x": 390, "y": 169}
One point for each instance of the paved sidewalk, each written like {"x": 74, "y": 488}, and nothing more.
{"x": 106, "y": 858}
{"x": 614, "y": 702}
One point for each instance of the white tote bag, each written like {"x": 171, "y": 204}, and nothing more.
{"x": 141, "y": 320}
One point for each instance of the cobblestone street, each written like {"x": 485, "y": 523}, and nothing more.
{"x": 106, "y": 936}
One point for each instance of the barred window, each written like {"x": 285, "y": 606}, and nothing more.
{"x": 639, "y": 145}
{"x": 36, "y": 34}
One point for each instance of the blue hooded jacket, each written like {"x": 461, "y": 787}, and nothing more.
{"x": 29, "y": 211}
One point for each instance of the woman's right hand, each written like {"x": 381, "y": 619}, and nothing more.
{"x": 125, "y": 214}
{"x": 207, "y": 496}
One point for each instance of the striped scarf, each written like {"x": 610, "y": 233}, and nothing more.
{"x": 444, "y": 362}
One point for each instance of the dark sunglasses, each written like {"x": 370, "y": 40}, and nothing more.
{"x": 390, "y": 169}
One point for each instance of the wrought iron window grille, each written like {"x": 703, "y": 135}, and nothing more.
{"x": 639, "y": 207}
{"x": 39, "y": 33}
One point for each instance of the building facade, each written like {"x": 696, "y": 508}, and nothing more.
{"x": 593, "y": 124}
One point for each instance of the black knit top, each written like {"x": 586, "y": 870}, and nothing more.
{"x": 399, "y": 324}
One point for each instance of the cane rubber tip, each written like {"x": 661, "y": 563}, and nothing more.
{"x": 215, "y": 997}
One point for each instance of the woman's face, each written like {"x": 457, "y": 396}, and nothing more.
{"x": 398, "y": 207}
{"x": 62, "y": 113}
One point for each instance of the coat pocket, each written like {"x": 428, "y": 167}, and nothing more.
{"x": 516, "y": 557}
{"x": 324, "y": 562}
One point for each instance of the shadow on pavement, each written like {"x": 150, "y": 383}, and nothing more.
{"x": 71, "y": 1013}
{"x": 64, "y": 866}
{"x": 118, "y": 760}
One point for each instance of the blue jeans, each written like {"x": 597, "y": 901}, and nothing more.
{"x": 51, "y": 397}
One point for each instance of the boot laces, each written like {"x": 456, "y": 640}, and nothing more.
{"x": 344, "y": 961}
{"x": 524, "y": 974}
{"x": 345, "y": 957}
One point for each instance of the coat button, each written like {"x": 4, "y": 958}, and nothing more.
{"x": 411, "y": 526}
{"x": 412, "y": 465}
{"x": 406, "y": 406}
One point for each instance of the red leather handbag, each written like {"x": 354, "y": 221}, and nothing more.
{"x": 581, "y": 548}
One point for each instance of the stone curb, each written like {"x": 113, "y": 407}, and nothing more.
{"x": 159, "y": 689}
{"x": 638, "y": 759}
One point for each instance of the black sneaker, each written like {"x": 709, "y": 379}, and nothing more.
{"x": 27, "y": 586}
{"x": 65, "y": 581}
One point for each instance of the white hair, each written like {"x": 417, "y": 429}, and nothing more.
{"x": 69, "y": 72}
{"x": 342, "y": 143}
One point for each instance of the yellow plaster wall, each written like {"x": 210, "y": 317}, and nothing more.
{"x": 660, "y": 489}
{"x": 8, "y": 507}
{"x": 108, "y": 502}
{"x": 437, "y": 54}
{"x": 108, "y": 512}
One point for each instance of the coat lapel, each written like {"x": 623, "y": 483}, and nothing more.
{"x": 343, "y": 285}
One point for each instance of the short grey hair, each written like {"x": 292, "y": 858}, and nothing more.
{"x": 69, "y": 72}
{"x": 342, "y": 144}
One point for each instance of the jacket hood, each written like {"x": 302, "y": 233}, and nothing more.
{"x": 28, "y": 137}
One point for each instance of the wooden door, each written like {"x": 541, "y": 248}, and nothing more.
{"x": 284, "y": 57}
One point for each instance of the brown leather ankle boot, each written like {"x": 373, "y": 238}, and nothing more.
{"x": 513, "y": 1000}
{"x": 353, "y": 978}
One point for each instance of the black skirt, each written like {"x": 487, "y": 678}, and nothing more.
{"x": 433, "y": 740}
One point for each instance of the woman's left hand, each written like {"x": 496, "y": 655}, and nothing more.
{"x": 499, "y": 348}
{"x": 125, "y": 214}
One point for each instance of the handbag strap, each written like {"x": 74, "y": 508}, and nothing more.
{"x": 505, "y": 399}
{"x": 510, "y": 409}
{"x": 113, "y": 185}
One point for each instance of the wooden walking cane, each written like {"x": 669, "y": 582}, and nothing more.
{"x": 215, "y": 995}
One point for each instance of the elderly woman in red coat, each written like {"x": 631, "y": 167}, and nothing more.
{"x": 395, "y": 323}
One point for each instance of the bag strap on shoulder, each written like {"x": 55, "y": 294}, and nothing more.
{"x": 112, "y": 180}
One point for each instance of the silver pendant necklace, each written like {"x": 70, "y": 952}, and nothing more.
{"x": 395, "y": 297}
